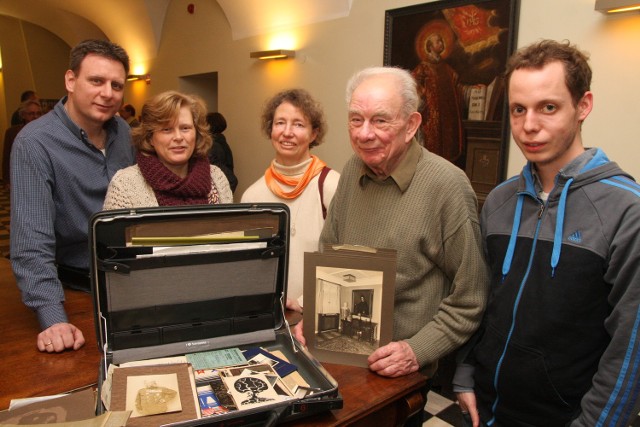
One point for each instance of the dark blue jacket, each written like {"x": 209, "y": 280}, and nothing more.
{"x": 559, "y": 343}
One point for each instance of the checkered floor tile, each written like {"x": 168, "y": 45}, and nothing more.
{"x": 441, "y": 409}
{"x": 441, "y": 412}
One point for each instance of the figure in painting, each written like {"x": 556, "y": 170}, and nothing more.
{"x": 362, "y": 307}
{"x": 442, "y": 97}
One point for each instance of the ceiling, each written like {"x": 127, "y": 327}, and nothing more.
{"x": 253, "y": 17}
{"x": 357, "y": 278}
{"x": 137, "y": 24}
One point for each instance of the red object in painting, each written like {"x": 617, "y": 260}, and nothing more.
{"x": 191, "y": 8}
{"x": 473, "y": 27}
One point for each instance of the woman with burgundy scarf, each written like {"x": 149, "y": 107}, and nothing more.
{"x": 172, "y": 165}
{"x": 295, "y": 123}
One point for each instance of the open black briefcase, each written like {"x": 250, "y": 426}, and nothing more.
{"x": 191, "y": 280}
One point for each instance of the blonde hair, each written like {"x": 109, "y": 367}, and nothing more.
{"x": 164, "y": 109}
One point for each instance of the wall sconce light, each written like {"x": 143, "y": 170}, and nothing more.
{"x": 134, "y": 77}
{"x": 616, "y": 6}
{"x": 273, "y": 54}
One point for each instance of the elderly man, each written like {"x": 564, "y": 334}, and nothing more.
{"x": 393, "y": 193}
{"x": 61, "y": 166}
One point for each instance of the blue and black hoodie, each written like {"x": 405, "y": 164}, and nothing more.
{"x": 560, "y": 343}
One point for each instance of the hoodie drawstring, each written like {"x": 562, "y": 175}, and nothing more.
{"x": 506, "y": 265}
{"x": 557, "y": 237}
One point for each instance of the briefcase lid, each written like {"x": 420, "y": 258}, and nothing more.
{"x": 174, "y": 280}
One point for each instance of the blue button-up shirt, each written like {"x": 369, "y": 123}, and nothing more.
{"x": 58, "y": 180}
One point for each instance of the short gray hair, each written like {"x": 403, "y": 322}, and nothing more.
{"x": 408, "y": 88}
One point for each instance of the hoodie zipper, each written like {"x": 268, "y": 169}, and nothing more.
{"x": 515, "y": 312}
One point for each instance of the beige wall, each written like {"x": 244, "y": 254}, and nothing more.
{"x": 37, "y": 60}
{"x": 17, "y": 72}
{"x": 328, "y": 53}
{"x": 614, "y": 123}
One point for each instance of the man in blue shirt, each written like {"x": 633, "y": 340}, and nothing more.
{"x": 61, "y": 165}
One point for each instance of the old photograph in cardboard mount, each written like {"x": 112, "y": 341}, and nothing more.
{"x": 348, "y": 302}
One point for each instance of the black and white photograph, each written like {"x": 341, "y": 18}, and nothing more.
{"x": 348, "y": 313}
{"x": 348, "y": 303}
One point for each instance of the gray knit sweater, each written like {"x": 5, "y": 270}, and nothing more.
{"x": 442, "y": 278}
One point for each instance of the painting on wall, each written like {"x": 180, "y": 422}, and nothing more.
{"x": 457, "y": 51}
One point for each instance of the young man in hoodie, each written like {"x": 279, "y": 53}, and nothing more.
{"x": 559, "y": 344}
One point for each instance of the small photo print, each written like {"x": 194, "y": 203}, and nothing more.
{"x": 257, "y": 355}
{"x": 209, "y": 403}
{"x": 251, "y": 390}
{"x": 267, "y": 370}
{"x": 262, "y": 359}
{"x": 152, "y": 394}
{"x": 221, "y": 393}
{"x": 203, "y": 376}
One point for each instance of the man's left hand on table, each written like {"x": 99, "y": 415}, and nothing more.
{"x": 393, "y": 360}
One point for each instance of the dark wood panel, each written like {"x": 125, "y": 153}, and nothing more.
{"x": 484, "y": 156}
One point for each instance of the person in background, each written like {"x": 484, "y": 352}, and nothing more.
{"x": 395, "y": 194}
{"x": 172, "y": 168}
{"x": 29, "y": 111}
{"x": 559, "y": 343}
{"x": 128, "y": 113}
{"x": 61, "y": 165}
{"x": 295, "y": 123}
{"x": 27, "y": 95}
{"x": 220, "y": 154}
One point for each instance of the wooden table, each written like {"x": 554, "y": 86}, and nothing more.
{"x": 26, "y": 372}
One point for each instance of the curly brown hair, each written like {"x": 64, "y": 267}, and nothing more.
{"x": 302, "y": 100}
{"x": 164, "y": 109}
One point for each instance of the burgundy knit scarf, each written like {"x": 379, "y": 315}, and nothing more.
{"x": 170, "y": 189}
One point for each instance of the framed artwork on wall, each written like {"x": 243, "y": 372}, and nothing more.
{"x": 457, "y": 51}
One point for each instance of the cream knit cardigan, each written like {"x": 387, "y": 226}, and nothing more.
{"x": 129, "y": 189}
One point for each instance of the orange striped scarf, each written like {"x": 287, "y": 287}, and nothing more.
{"x": 273, "y": 177}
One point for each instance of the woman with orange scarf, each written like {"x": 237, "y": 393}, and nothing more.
{"x": 295, "y": 123}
